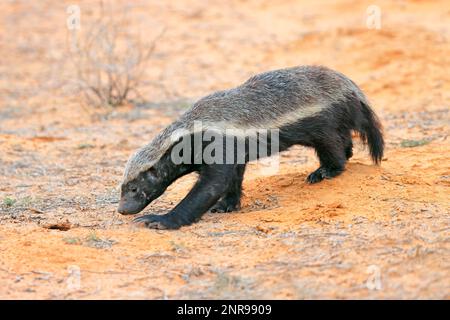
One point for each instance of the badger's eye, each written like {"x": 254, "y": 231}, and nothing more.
{"x": 152, "y": 172}
{"x": 133, "y": 189}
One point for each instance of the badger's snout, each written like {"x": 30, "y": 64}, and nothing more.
{"x": 127, "y": 207}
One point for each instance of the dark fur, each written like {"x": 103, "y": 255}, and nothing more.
{"x": 219, "y": 186}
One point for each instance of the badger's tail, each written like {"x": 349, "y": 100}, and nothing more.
{"x": 369, "y": 129}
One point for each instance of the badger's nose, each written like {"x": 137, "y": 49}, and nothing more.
{"x": 127, "y": 208}
{"x": 121, "y": 208}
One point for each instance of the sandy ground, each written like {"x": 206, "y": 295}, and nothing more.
{"x": 373, "y": 232}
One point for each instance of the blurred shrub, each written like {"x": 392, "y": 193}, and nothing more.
{"x": 109, "y": 61}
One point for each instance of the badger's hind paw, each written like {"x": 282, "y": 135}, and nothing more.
{"x": 161, "y": 222}
{"x": 322, "y": 173}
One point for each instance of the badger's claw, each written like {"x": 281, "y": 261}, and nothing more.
{"x": 316, "y": 176}
{"x": 224, "y": 206}
{"x": 161, "y": 222}
{"x": 323, "y": 173}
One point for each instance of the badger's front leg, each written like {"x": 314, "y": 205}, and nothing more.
{"x": 213, "y": 182}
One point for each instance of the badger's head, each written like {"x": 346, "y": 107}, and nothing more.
{"x": 149, "y": 172}
{"x": 139, "y": 192}
{"x": 145, "y": 179}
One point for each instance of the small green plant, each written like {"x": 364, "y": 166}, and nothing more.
{"x": 413, "y": 143}
{"x": 225, "y": 281}
{"x": 82, "y": 146}
{"x": 9, "y": 202}
{"x": 93, "y": 241}
{"x": 72, "y": 240}
{"x": 92, "y": 237}
{"x": 228, "y": 286}
{"x": 26, "y": 202}
{"x": 178, "y": 247}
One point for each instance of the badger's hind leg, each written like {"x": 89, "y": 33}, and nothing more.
{"x": 349, "y": 150}
{"x": 332, "y": 155}
{"x": 348, "y": 144}
{"x": 231, "y": 201}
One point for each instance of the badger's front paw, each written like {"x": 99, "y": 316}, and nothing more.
{"x": 161, "y": 222}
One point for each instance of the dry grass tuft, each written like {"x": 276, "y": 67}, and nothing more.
{"x": 109, "y": 61}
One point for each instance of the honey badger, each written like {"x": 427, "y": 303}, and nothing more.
{"x": 309, "y": 105}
